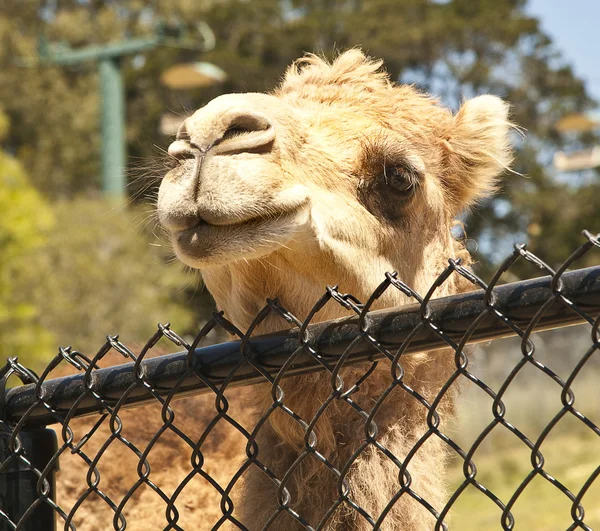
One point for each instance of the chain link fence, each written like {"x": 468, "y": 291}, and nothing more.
{"x": 350, "y": 352}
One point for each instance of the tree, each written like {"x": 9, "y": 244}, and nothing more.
{"x": 98, "y": 275}
{"x": 74, "y": 271}
{"x": 24, "y": 225}
{"x": 455, "y": 48}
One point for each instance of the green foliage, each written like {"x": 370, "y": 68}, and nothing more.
{"x": 24, "y": 225}
{"x": 456, "y": 49}
{"x": 97, "y": 275}
{"x": 75, "y": 272}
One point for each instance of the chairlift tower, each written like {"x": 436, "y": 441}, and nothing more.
{"x": 109, "y": 58}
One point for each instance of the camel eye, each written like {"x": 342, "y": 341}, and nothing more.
{"x": 401, "y": 179}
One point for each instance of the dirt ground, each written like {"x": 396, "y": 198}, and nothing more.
{"x": 170, "y": 459}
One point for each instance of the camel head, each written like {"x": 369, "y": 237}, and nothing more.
{"x": 336, "y": 177}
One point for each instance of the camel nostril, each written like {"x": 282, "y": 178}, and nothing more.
{"x": 245, "y": 121}
{"x": 246, "y": 131}
{"x": 235, "y": 130}
{"x": 181, "y": 149}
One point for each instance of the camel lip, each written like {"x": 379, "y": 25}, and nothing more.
{"x": 206, "y": 245}
{"x": 177, "y": 226}
{"x": 202, "y": 224}
{"x": 199, "y": 223}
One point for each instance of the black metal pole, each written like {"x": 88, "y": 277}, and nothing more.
{"x": 27, "y": 489}
{"x": 454, "y": 315}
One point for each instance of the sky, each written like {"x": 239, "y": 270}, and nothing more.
{"x": 574, "y": 26}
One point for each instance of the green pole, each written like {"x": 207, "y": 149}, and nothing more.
{"x": 113, "y": 127}
{"x": 112, "y": 95}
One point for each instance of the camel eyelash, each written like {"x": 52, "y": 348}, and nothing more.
{"x": 383, "y": 162}
{"x": 401, "y": 177}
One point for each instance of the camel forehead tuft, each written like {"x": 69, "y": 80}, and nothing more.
{"x": 351, "y": 67}
{"x": 355, "y": 86}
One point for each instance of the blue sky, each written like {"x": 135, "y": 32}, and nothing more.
{"x": 574, "y": 26}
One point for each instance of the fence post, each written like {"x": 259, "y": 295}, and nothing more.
{"x": 21, "y": 470}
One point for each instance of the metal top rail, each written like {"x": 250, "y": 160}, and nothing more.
{"x": 494, "y": 310}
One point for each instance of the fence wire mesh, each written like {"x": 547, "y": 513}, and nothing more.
{"x": 89, "y": 446}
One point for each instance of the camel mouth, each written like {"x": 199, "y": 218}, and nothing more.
{"x": 206, "y": 243}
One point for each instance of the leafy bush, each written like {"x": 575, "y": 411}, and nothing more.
{"x": 73, "y": 272}
{"x": 97, "y": 274}
{"x": 25, "y": 223}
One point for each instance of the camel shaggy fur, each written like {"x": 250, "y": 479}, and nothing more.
{"x": 336, "y": 177}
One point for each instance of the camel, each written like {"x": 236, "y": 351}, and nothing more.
{"x": 336, "y": 177}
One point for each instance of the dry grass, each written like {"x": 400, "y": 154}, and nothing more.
{"x": 170, "y": 459}
{"x": 570, "y": 458}
{"x": 571, "y": 450}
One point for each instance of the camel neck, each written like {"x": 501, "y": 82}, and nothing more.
{"x": 241, "y": 290}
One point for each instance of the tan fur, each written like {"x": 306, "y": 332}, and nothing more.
{"x": 294, "y": 202}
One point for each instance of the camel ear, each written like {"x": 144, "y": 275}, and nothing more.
{"x": 478, "y": 150}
